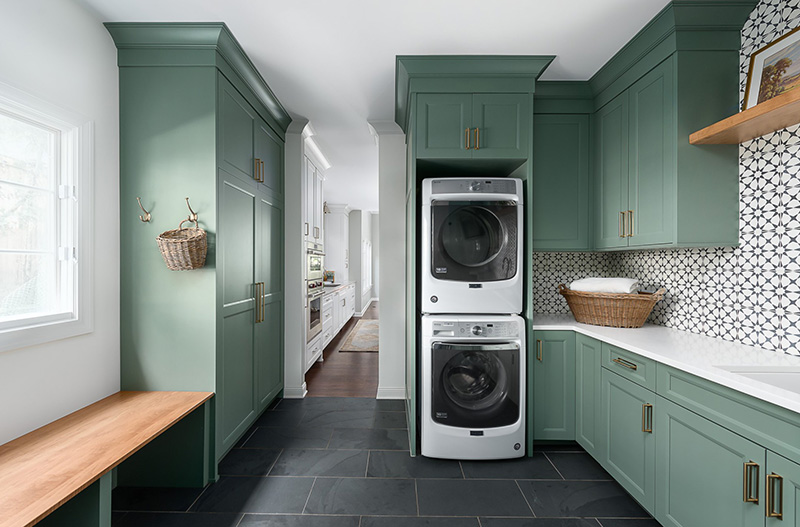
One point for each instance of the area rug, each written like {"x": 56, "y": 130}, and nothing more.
{"x": 364, "y": 337}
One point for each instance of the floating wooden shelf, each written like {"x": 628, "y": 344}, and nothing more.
{"x": 769, "y": 116}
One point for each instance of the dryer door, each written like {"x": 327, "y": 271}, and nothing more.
{"x": 475, "y": 385}
{"x": 474, "y": 241}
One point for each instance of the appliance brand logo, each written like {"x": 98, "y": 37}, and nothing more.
{"x": 441, "y": 415}
{"x": 441, "y": 270}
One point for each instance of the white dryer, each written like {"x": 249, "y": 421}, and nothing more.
{"x": 472, "y": 239}
{"x": 473, "y": 386}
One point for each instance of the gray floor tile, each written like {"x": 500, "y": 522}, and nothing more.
{"x": 362, "y": 497}
{"x": 248, "y": 462}
{"x": 449, "y": 497}
{"x": 390, "y": 420}
{"x": 417, "y": 521}
{"x": 289, "y": 437}
{"x": 619, "y": 522}
{"x": 580, "y": 499}
{"x": 177, "y": 519}
{"x": 296, "y": 520}
{"x": 390, "y": 405}
{"x": 153, "y": 499}
{"x": 329, "y": 403}
{"x": 281, "y": 417}
{"x": 536, "y": 467}
{"x": 370, "y": 438}
{"x": 539, "y": 522}
{"x": 343, "y": 463}
{"x": 339, "y": 418}
{"x": 398, "y": 464}
{"x": 578, "y": 465}
{"x": 251, "y": 494}
{"x": 567, "y": 446}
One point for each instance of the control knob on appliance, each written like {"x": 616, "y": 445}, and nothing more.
{"x": 477, "y": 331}
{"x": 475, "y": 186}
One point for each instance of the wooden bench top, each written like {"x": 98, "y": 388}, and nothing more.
{"x": 42, "y": 470}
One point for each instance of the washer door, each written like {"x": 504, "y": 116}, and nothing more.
{"x": 475, "y": 386}
{"x": 474, "y": 241}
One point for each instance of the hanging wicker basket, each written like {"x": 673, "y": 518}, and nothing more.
{"x": 183, "y": 249}
{"x": 618, "y": 310}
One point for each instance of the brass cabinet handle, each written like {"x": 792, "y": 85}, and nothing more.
{"x": 477, "y": 138}
{"x": 749, "y": 469}
{"x": 647, "y": 418}
{"x": 262, "y": 171}
{"x": 466, "y": 139}
{"x": 625, "y": 363}
{"x": 621, "y": 227}
{"x": 539, "y": 350}
{"x": 770, "y": 501}
{"x": 630, "y": 224}
{"x": 256, "y": 295}
{"x": 306, "y": 229}
{"x": 257, "y": 173}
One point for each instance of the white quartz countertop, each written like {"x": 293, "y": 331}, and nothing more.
{"x": 329, "y": 289}
{"x": 710, "y": 358}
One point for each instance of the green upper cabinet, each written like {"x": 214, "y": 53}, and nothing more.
{"x": 268, "y": 151}
{"x": 611, "y": 172}
{"x": 479, "y": 126}
{"x": 561, "y": 183}
{"x": 553, "y": 402}
{"x": 588, "y": 394}
{"x": 237, "y": 125}
{"x": 782, "y": 491}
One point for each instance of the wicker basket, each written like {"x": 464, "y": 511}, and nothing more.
{"x": 618, "y": 310}
{"x": 183, "y": 249}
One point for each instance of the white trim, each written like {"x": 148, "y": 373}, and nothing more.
{"x": 391, "y": 393}
{"x": 312, "y": 148}
{"x": 339, "y": 208}
{"x": 78, "y": 158}
{"x": 295, "y": 393}
{"x": 374, "y": 299}
{"x": 361, "y": 314}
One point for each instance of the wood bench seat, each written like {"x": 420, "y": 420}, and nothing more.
{"x": 43, "y": 470}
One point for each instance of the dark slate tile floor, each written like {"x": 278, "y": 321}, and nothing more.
{"x": 344, "y": 462}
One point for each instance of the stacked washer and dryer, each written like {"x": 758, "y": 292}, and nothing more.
{"x": 473, "y": 339}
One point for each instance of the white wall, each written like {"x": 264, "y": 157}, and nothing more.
{"x": 376, "y": 255}
{"x": 392, "y": 230}
{"x": 57, "y": 51}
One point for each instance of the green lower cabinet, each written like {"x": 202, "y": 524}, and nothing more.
{"x": 702, "y": 473}
{"x": 782, "y": 492}
{"x": 588, "y": 394}
{"x": 553, "y": 367}
{"x": 629, "y": 445}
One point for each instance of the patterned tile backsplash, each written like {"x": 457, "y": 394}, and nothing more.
{"x": 748, "y": 294}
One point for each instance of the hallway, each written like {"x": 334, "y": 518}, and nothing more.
{"x": 345, "y": 374}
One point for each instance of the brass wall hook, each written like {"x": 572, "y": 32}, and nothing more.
{"x": 192, "y": 214}
{"x": 146, "y": 216}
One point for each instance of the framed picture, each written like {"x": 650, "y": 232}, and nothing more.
{"x": 774, "y": 69}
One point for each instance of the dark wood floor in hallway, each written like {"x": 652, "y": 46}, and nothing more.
{"x": 345, "y": 374}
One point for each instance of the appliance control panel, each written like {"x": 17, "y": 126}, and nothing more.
{"x": 476, "y": 329}
{"x": 477, "y": 186}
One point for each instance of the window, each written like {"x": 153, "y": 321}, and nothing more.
{"x": 45, "y": 221}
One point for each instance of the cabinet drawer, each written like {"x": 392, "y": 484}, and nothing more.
{"x": 327, "y": 300}
{"x": 640, "y": 370}
{"x": 327, "y": 318}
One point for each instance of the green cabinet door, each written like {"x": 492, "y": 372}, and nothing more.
{"x": 700, "y": 468}
{"x": 651, "y": 137}
{"x": 237, "y": 126}
{"x": 554, "y": 385}
{"x": 628, "y": 441}
{"x": 501, "y": 125}
{"x": 443, "y": 125}
{"x": 269, "y": 328}
{"x": 236, "y": 238}
{"x": 561, "y": 183}
{"x": 588, "y": 394}
{"x": 611, "y": 176}
{"x": 268, "y": 149}
{"x": 782, "y": 492}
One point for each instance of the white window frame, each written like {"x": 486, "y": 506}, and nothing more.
{"x": 77, "y": 166}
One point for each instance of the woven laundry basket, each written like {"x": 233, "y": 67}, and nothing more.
{"x": 618, "y": 310}
{"x": 183, "y": 249}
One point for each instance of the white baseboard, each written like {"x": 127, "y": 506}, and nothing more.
{"x": 295, "y": 393}
{"x": 391, "y": 393}
{"x": 374, "y": 299}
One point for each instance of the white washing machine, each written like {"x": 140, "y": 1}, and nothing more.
{"x": 473, "y": 386}
{"x": 472, "y": 239}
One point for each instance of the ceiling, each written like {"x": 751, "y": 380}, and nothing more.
{"x": 332, "y": 62}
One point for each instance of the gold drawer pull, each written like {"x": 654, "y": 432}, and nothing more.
{"x": 620, "y": 230}
{"x": 750, "y": 468}
{"x": 539, "y": 350}
{"x": 771, "y": 512}
{"x": 630, "y": 224}
{"x": 647, "y": 418}
{"x": 466, "y": 139}
{"x": 477, "y": 138}
{"x": 625, "y": 363}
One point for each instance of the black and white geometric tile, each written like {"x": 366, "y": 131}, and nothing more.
{"x": 748, "y": 294}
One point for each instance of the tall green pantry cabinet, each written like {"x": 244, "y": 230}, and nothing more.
{"x": 198, "y": 121}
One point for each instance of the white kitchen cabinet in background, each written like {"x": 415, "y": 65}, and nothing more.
{"x": 313, "y": 202}
{"x": 337, "y": 239}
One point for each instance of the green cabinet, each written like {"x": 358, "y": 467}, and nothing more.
{"x": 554, "y": 385}
{"x": 479, "y": 126}
{"x": 707, "y": 475}
{"x": 561, "y": 190}
{"x": 611, "y": 172}
{"x": 782, "y": 491}
{"x": 628, "y": 444}
{"x": 588, "y": 392}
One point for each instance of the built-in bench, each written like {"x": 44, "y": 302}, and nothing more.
{"x": 61, "y": 474}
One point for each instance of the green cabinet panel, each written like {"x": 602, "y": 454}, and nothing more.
{"x": 628, "y": 441}
{"x": 502, "y": 123}
{"x": 443, "y": 124}
{"x": 651, "y": 177}
{"x": 237, "y": 124}
{"x": 561, "y": 206}
{"x": 700, "y": 468}
{"x": 554, "y": 385}
{"x": 611, "y": 172}
{"x": 268, "y": 150}
{"x": 588, "y": 392}
{"x": 782, "y": 491}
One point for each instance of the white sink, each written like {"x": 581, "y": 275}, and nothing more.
{"x": 783, "y": 377}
